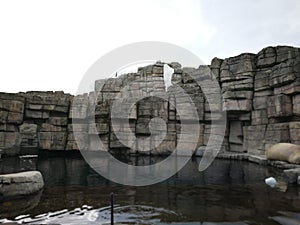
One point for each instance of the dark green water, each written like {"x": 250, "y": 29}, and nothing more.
{"x": 228, "y": 191}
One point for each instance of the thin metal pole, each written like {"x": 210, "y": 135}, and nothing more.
{"x": 112, "y": 208}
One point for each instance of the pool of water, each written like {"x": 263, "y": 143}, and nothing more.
{"x": 228, "y": 192}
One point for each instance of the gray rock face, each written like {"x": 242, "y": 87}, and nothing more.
{"x": 291, "y": 175}
{"x": 279, "y": 106}
{"x": 294, "y": 132}
{"x": 237, "y": 76}
{"x": 24, "y": 183}
{"x": 29, "y": 135}
{"x": 11, "y": 115}
{"x": 260, "y": 93}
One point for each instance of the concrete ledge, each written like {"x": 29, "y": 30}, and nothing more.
{"x": 24, "y": 183}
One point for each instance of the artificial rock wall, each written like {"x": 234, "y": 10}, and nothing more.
{"x": 261, "y": 95}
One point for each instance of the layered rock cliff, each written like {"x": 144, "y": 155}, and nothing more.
{"x": 260, "y": 93}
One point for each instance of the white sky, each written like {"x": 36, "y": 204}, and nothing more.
{"x": 49, "y": 45}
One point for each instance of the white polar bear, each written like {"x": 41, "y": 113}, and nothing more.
{"x": 284, "y": 152}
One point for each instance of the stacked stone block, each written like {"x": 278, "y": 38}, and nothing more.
{"x": 236, "y": 77}
{"x": 50, "y": 111}
{"x": 275, "y": 101}
{"x": 78, "y": 129}
{"x": 260, "y": 94}
{"x": 11, "y": 115}
{"x": 294, "y": 132}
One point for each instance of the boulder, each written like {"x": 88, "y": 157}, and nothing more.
{"x": 24, "y": 183}
{"x": 291, "y": 175}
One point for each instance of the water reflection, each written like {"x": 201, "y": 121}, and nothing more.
{"x": 230, "y": 191}
{"x": 287, "y": 218}
{"x": 18, "y": 206}
{"x": 130, "y": 214}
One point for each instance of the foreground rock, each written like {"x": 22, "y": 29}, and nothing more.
{"x": 291, "y": 175}
{"x": 24, "y": 183}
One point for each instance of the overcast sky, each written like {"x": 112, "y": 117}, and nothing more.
{"x": 49, "y": 45}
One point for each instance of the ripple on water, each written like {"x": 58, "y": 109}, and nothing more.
{"x": 86, "y": 215}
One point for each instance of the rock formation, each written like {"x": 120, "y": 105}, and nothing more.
{"x": 260, "y": 93}
{"x": 24, "y": 183}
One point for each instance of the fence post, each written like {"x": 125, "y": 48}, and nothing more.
{"x": 112, "y": 208}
